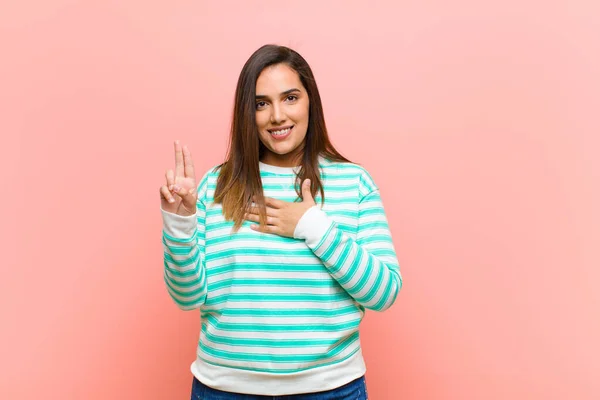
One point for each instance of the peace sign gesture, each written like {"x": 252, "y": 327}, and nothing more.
{"x": 180, "y": 193}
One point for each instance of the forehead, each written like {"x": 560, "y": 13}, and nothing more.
{"x": 276, "y": 79}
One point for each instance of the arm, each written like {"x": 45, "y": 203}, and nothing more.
{"x": 367, "y": 268}
{"x": 183, "y": 240}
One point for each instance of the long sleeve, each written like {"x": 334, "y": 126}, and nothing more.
{"x": 367, "y": 268}
{"x": 184, "y": 255}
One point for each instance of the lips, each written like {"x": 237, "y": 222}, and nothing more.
{"x": 281, "y": 132}
{"x": 280, "y": 129}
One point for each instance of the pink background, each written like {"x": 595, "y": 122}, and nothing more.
{"x": 478, "y": 119}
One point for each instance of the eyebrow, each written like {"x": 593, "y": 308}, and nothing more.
{"x": 262, "y": 96}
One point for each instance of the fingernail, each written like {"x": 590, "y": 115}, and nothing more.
{"x": 176, "y": 188}
{"x": 171, "y": 200}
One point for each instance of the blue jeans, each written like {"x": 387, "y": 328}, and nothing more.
{"x": 355, "y": 390}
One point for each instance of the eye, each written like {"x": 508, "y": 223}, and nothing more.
{"x": 292, "y": 97}
{"x": 260, "y": 104}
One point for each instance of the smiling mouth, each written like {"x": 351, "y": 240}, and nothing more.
{"x": 280, "y": 132}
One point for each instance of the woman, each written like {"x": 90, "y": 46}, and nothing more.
{"x": 282, "y": 247}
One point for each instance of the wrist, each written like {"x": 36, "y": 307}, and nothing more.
{"x": 312, "y": 226}
{"x": 179, "y": 226}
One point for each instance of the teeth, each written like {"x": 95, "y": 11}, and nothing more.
{"x": 281, "y": 132}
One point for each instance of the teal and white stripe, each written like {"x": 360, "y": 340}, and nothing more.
{"x": 274, "y": 305}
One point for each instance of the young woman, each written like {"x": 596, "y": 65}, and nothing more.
{"x": 282, "y": 247}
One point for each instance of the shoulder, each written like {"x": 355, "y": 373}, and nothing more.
{"x": 209, "y": 178}
{"x": 211, "y": 173}
{"x": 348, "y": 171}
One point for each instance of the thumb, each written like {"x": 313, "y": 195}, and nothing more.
{"x": 306, "y": 193}
{"x": 188, "y": 197}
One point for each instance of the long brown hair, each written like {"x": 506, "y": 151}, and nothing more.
{"x": 239, "y": 177}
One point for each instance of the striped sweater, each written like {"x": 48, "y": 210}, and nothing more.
{"x": 281, "y": 315}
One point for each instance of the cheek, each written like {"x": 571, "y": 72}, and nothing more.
{"x": 260, "y": 121}
{"x": 260, "y": 127}
{"x": 300, "y": 116}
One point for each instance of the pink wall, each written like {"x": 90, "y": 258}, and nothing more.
{"x": 477, "y": 119}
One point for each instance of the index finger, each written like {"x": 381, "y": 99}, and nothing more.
{"x": 179, "y": 167}
{"x": 188, "y": 164}
{"x": 269, "y": 201}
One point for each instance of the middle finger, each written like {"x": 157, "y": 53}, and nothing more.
{"x": 256, "y": 218}
{"x": 272, "y": 212}
{"x": 179, "y": 167}
{"x": 170, "y": 179}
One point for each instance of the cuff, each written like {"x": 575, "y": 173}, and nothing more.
{"x": 313, "y": 225}
{"x": 179, "y": 226}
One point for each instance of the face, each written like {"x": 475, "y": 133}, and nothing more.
{"x": 281, "y": 115}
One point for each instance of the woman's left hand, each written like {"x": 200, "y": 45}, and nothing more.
{"x": 283, "y": 216}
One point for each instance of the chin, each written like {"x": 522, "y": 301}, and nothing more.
{"x": 284, "y": 151}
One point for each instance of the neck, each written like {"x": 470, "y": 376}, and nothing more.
{"x": 282, "y": 160}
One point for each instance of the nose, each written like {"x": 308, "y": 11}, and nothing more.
{"x": 277, "y": 115}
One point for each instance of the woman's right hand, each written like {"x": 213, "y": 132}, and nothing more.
{"x": 179, "y": 194}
